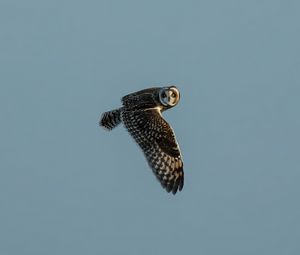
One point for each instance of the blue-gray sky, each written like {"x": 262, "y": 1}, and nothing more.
{"x": 69, "y": 187}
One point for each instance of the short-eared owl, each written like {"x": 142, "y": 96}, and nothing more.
{"x": 141, "y": 115}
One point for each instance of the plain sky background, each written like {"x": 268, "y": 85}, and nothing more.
{"x": 69, "y": 187}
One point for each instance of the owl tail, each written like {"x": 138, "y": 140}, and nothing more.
{"x": 111, "y": 119}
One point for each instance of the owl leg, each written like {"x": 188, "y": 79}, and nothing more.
{"x": 111, "y": 119}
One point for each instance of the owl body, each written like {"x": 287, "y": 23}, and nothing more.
{"x": 141, "y": 116}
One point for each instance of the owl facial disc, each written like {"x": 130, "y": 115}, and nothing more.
{"x": 169, "y": 96}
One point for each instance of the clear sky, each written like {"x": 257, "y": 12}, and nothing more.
{"x": 69, "y": 187}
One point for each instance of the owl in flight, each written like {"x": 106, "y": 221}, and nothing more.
{"x": 141, "y": 116}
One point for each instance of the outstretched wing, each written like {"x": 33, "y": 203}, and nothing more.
{"x": 142, "y": 99}
{"x": 157, "y": 140}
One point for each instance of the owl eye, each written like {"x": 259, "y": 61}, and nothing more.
{"x": 164, "y": 95}
{"x": 173, "y": 94}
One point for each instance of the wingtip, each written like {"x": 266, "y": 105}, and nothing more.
{"x": 174, "y": 187}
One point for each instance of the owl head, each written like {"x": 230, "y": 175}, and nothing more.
{"x": 169, "y": 96}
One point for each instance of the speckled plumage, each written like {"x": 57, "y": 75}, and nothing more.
{"x": 141, "y": 115}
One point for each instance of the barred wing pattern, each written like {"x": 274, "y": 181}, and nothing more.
{"x": 157, "y": 140}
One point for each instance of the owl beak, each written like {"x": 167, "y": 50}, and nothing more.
{"x": 169, "y": 93}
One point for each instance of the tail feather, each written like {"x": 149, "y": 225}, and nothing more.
{"x": 111, "y": 119}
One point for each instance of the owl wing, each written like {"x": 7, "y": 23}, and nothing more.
{"x": 158, "y": 142}
{"x": 131, "y": 98}
{"x": 143, "y": 99}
